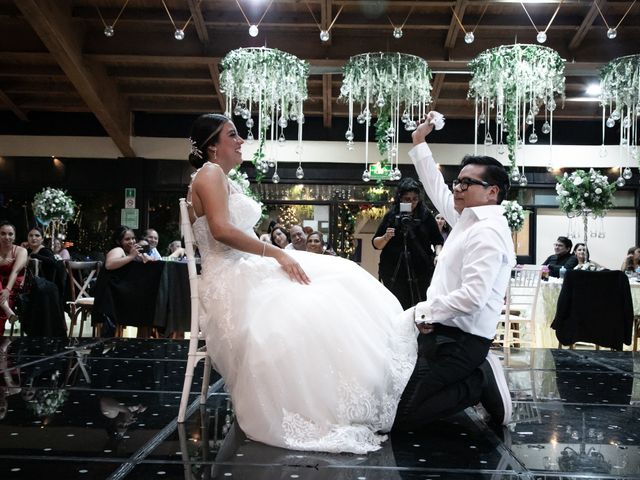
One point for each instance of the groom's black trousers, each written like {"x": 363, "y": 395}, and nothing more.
{"x": 446, "y": 378}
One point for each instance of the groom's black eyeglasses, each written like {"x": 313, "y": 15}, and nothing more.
{"x": 464, "y": 183}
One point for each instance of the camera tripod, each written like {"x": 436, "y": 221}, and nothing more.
{"x": 405, "y": 260}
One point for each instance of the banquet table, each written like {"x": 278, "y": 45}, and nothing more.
{"x": 546, "y": 310}
{"x": 152, "y": 294}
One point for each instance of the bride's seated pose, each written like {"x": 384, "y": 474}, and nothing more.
{"x": 329, "y": 380}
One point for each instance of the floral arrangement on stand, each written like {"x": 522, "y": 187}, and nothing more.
{"x": 515, "y": 81}
{"x": 620, "y": 86}
{"x": 274, "y": 83}
{"x": 54, "y": 208}
{"x": 582, "y": 191}
{"x": 583, "y": 194}
{"x": 397, "y": 87}
{"x": 514, "y": 213}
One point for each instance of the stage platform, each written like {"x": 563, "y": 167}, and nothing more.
{"x": 106, "y": 408}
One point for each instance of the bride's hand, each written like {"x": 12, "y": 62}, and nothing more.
{"x": 293, "y": 269}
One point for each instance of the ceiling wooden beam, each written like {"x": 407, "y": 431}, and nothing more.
{"x": 214, "y": 71}
{"x": 51, "y": 20}
{"x": 454, "y": 28}
{"x": 326, "y": 100}
{"x": 13, "y": 107}
{"x": 436, "y": 87}
{"x": 586, "y": 24}
{"x": 198, "y": 20}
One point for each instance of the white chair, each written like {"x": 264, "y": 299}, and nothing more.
{"x": 195, "y": 354}
{"x": 80, "y": 275}
{"x": 517, "y": 323}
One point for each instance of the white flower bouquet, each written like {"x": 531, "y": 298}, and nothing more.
{"x": 583, "y": 190}
{"x": 53, "y": 203}
{"x": 514, "y": 213}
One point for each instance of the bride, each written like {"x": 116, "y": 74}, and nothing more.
{"x": 314, "y": 351}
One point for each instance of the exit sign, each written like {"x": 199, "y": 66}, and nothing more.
{"x": 379, "y": 172}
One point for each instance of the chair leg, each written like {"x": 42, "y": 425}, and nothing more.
{"x": 186, "y": 388}
{"x": 205, "y": 380}
{"x": 83, "y": 317}
{"x": 73, "y": 315}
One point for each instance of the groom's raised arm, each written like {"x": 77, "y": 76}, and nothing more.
{"x": 430, "y": 176}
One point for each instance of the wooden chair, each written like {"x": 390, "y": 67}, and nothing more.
{"x": 517, "y": 326}
{"x": 195, "y": 353}
{"x": 80, "y": 275}
{"x": 32, "y": 270}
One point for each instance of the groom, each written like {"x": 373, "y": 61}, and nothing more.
{"x": 458, "y": 321}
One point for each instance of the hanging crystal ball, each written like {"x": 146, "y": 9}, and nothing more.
{"x": 529, "y": 119}
{"x": 282, "y": 121}
{"x": 380, "y": 102}
{"x": 488, "y": 140}
{"x": 366, "y": 176}
{"x": 275, "y": 178}
{"x": 627, "y": 173}
{"x": 271, "y": 163}
{"x": 349, "y": 135}
{"x": 515, "y": 176}
{"x": 469, "y": 37}
{"x": 612, "y": 33}
{"x": 615, "y": 114}
{"x": 253, "y": 31}
{"x": 109, "y": 31}
{"x": 245, "y": 114}
{"x": 299, "y": 173}
{"x": 523, "y": 181}
{"x": 626, "y": 122}
{"x": 397, "y": 174}
{"x": 482, "y": 119}
{"x": 620, "y": 182}
{"x": 397, "y": 32}
{"x": 533, "y": 138}
{"x": 546, "y": 128}
{"x": 324, "y": 35}
{"x": 541, "y": 37}
{"x": 551, "y": 105}
{"x": 179, "y": 34}
{"x": 282, "y": 140}
{"x": 249, "y": 123}
{"x": 610, "y": 122}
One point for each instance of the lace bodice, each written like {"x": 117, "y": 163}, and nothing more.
{"x": 244, "y": 213}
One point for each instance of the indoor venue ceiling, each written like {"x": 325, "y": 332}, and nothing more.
{"x": 54, "y": 55}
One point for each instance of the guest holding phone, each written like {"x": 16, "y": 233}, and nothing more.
{"x": 125, "y": 249}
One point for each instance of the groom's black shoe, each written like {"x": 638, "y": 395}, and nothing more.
{"x": 495, "y": 397}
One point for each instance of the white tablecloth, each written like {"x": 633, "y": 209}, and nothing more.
{"x": 546, "y": 310}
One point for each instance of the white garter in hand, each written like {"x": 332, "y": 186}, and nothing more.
{"x": 437, "y": 120}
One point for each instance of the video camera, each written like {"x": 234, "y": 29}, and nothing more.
{"x": 404, "y": 221}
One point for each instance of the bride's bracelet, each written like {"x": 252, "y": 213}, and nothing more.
{"x": 264, "y": 248}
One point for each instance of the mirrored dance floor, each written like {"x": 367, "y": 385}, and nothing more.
{"x": 107, "y": 409}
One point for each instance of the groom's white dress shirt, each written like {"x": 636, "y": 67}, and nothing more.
{"x": 470, "y": 279}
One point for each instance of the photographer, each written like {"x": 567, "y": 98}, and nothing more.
{"x": 408, "y": 235}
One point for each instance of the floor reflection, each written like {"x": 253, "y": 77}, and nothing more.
{"x": 106, "y": 409}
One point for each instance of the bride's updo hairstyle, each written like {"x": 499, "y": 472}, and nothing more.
{"x": 205, "y": 131}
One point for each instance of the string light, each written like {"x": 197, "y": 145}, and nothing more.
{"x": 109, "y": 30}
{"x": 542, "y": 35}
{"x": 324, "y": 34}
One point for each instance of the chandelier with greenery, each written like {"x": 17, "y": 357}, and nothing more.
{"x": 272, "y": 84}
{"x": 395, "y": 88}
{"x": 620, "y": 94}
{"x": 512, "y": 83}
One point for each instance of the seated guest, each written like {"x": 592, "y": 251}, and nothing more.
{"x": 13, "y": 259}
{"x": 561, "y": 258}
{"x": 51, "y": 269}
{"x": 632, "y": 260}
{"x": 280, "y": 237}
{"x": 581, "y": 252}
{"x": 175, "y": 250}
{"x": 125, "y": 249}
{"x": 298, "y": 238}
{"x": 59, "y": 251}
{"x": 151, "y": 236}
{"x": 315, "y": 244}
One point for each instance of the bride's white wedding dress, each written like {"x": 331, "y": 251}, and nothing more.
{"x": 316, "y": 367}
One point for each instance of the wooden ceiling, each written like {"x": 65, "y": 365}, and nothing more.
{"x": 54, "y": 55}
